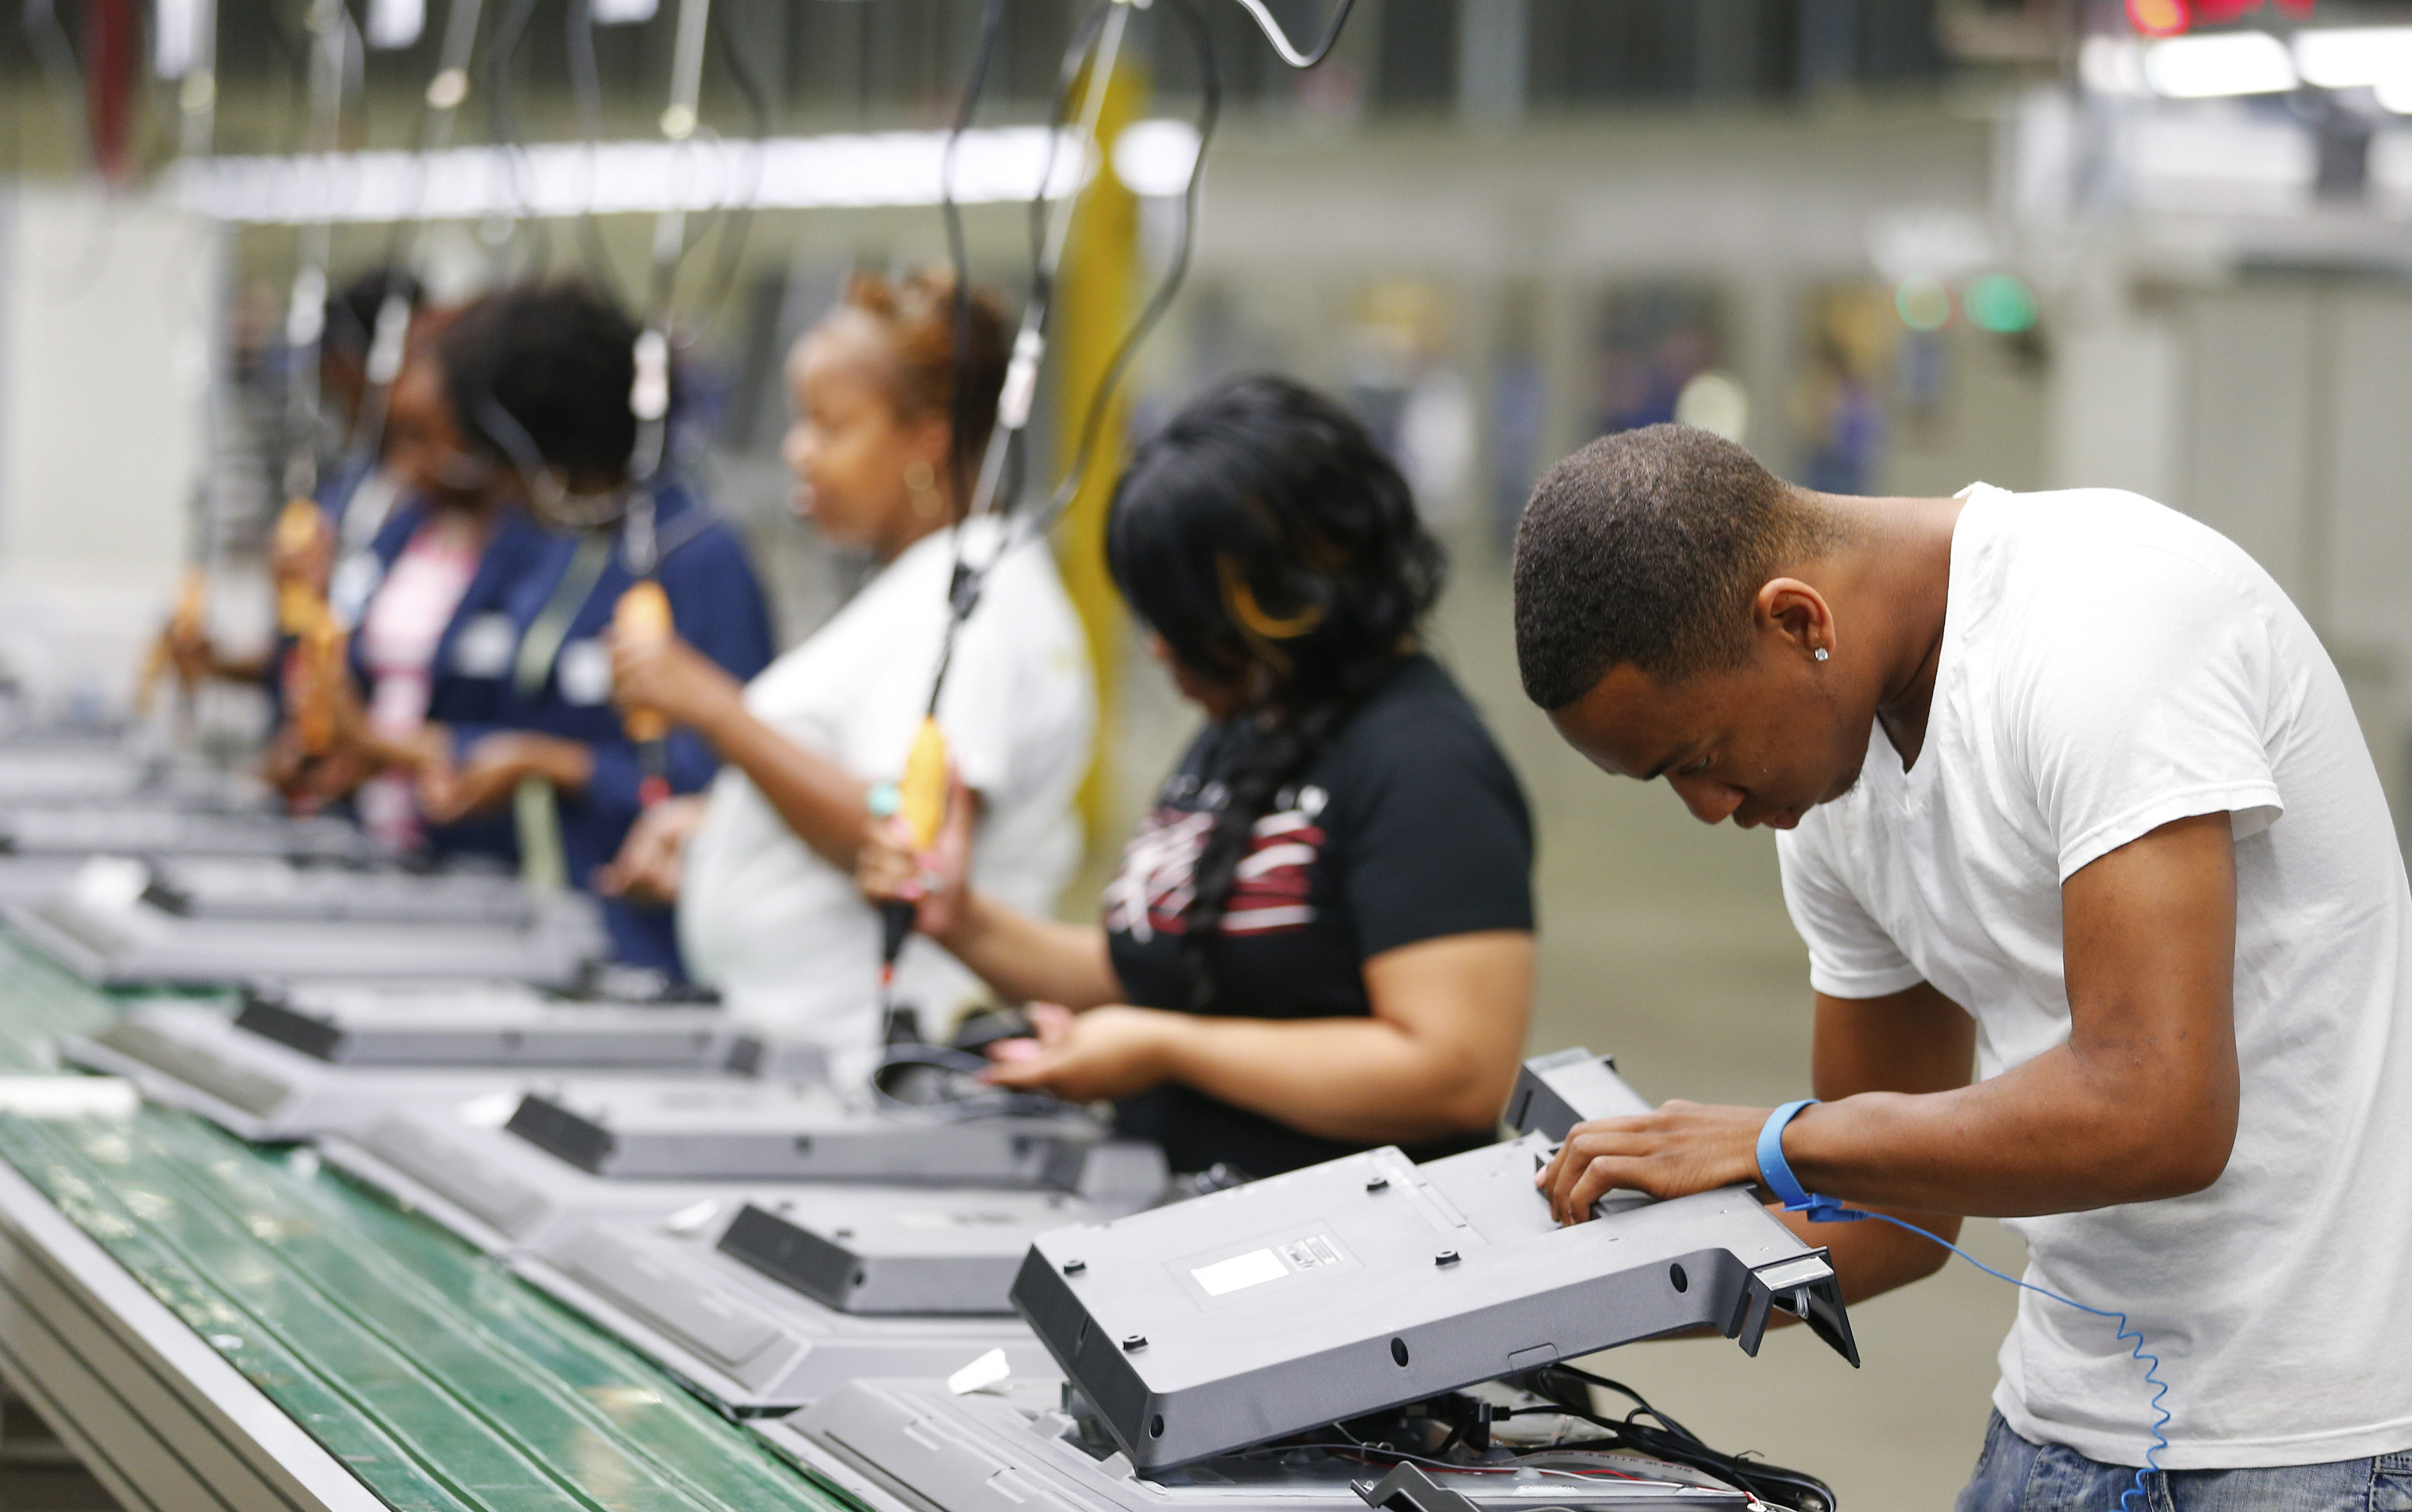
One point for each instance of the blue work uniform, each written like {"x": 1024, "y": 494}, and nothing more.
{"x": 719, "y": 608}
{"x": 470, "y": 671}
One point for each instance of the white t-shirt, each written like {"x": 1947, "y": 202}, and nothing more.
{"x": 783, "y": 934}
{"x": 2109, "y": 666}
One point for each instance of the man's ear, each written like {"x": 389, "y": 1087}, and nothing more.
{"x": 1796, "y": 614}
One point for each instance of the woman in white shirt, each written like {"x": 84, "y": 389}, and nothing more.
{"x": 762, "y": 868}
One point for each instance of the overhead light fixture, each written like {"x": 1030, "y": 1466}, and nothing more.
{"x": 176, "y": 37}
{"x": 2355, "y": 57}
{"x": 2209, "y": 64}
{"x": 395, "y": 24}
{"x": 836, "y": 172}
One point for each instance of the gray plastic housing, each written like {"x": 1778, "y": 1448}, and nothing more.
{"x": 905, "y": 1251}
{"x": 133, "y": 943}
{"x": 940, "y": 1251}
{"x": 156, "y": 828}
{"x": 1368, "y": 1281}
{"x": 195, "y": 1059}
{"x": 683, "y": 1133}
{"x": 490, "y": 1024}
{"x": 500, "y": 1192}
{"x": 239, "y": 886}
{"x": 739, "y": 1338}
{"x": 898, "y": 1445}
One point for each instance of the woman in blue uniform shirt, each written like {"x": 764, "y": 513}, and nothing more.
{"x": 522, "y": 750}
{"x": 538, "y": 380}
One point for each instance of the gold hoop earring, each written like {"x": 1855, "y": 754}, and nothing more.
{"x": 921, "y": 482}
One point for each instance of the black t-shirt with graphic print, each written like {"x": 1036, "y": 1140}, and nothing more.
{"x": 1410, "y": 826}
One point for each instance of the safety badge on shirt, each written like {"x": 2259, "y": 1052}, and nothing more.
{"x": 584, "y": 673}
{"x": 484, "y": 647}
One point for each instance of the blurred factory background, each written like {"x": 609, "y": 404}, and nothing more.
{"x": 1894, "y": 246}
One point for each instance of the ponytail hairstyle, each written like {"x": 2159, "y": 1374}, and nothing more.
{"x": 1266, "y": 537}
{"x": 939, "y": 331}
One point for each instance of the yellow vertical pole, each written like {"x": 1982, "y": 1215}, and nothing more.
{"x": 1096, "y": 293}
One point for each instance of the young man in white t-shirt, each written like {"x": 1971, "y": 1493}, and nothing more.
{"x": 2069, "y": 789}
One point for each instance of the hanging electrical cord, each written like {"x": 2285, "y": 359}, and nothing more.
{"x": 1280, "y": 38}
{"x": 315, "y": 663}
{"x": 502, "y": 126}
{"x": 919, "y": 798}
{"x": 586, "y": 90}
{"x": 197, "y": 105}
{"x": 439, "y": 109}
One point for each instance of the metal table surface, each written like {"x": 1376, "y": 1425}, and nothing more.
{"x": 212, "y": 1324}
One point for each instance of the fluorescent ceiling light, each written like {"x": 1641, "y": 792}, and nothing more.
{"x": 2355, "y": 57}
{"x": 397, "y": 23}
{"x": 621, "y": 12}
{"x": 2396, "y": 94}
{"x": 1154, "y": 157}
{"x": 2112, "y": 65}
{"x": 2219, "y": 62}
{"x": 176, "y": 37}
{"x": 884, "y": 168}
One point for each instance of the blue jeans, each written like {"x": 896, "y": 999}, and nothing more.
{"x": 2014, "y": 1476}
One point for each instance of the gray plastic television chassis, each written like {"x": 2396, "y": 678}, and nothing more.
{"x": 172, "y": 951}
{"x": 741, "y": 1340}
{"x": 1370, "y": 1282}
{"x": 194, "y": 1058}
{"x": 652, "y": 1136}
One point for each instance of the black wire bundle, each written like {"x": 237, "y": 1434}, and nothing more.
{"x": 1648, "y": 1430}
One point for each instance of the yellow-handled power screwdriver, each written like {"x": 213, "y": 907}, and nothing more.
{"x": 642, "y": 618}
{"x": 919, "y": 799}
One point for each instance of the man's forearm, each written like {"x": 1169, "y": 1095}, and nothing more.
{"x": 2060, "y": 1134}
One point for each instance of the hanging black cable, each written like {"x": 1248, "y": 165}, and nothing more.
{"x": 1280, "y": 38}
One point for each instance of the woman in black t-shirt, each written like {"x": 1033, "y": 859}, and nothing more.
{"x": 1321, "y": 938}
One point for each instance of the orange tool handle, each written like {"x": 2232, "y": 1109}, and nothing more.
{"x": 642, "y": 617}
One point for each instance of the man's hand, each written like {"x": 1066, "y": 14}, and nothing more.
{"x": 1097, "y": 1056}
{"x": 1681, "y": 1149}
{"x": 673, "y": 680}
{"x": 652, "y": 863}
{"x": 488, "y": 771}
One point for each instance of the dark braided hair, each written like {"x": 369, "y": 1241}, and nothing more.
{"x": 1266, "y": 537}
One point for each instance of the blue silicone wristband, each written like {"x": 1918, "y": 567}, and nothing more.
{"x": 1776, "y": 1173}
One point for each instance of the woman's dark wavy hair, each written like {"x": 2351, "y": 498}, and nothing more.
{"x": 558, "y": 359}
{"x": 1264, "y": 536}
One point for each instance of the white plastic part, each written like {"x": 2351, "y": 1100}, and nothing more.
{"x": 649, "y": 398}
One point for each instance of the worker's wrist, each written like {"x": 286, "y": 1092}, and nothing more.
{"x": 1175, "y": 1041}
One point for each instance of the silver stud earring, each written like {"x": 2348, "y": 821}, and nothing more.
{"x": 1821, "y": 653}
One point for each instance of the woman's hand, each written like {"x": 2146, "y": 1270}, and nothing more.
{"x": 1098, "y": 1056}
{"x": 488, "y": 771}
{"x": 673, "y": 680}
{"x": 652, "y": 863}
{"x": 888, "y": 869}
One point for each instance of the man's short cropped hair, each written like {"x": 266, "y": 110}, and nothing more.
{"x": 1646, "y": 548}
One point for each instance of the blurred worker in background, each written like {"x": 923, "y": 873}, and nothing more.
{"x": 882, "y": 447}
{"x": 357, "y": 487}
{"x": 1322, "y": 939}
{"x": 486, "y": 714}
{"x": 2068, "y": 788}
